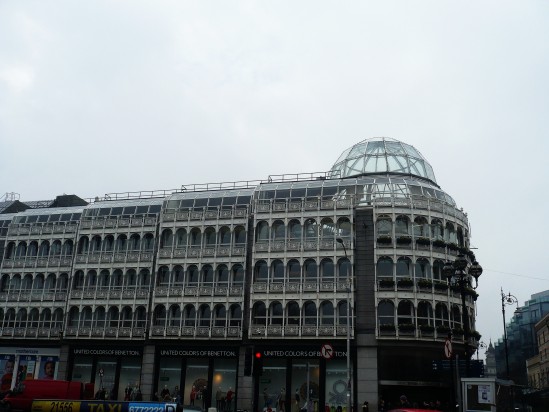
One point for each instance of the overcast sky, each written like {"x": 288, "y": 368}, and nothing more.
{"x": 113, "y": 96}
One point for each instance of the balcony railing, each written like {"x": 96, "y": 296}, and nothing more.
{"x": 313, "y": 331}
{"x": 299, "y": 287}
{"x": 221, "y": 332}
{"x": 184, "y": 290}
{"x": 126, "y": 292}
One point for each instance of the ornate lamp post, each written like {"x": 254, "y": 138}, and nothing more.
{"x": 506, "y": 300}
{"x": 461, "y": 274}
{"x": 349, "y": 383}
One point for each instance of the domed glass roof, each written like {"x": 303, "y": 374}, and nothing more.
{"x": 381, "y": 155}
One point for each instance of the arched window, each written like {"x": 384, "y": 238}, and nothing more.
{"x": 424, "y": 313}
{"x": 311, "y": 229}
{"x": 140, "y": 317}
{"x": 10, "y": 248}
{"x": 32, "y": 321}
{"x": 386, "y": 313}
{"x": 57, "y": 318}
{"x": 49, "y": 284}
{"x": 327, "y": 270}
{"x": 86, "y": 317}
{"x": 294, "y": 229}
{"x": 262, "y": 232}
{"x": 327, "y": 228}
{"x": 44, "y": 249}
{"x": 74, "y": 315}
{"x": 189, "y": 316}
{"x": 121, "y": 243}
{"x": 91, "y": 279}
{"x": 384, "y": 226}
{"x": 224, "y": 236}
{"x": 239, "y": 235}
{"x": 276, "y": 314}
{"x": 421, "y": 227}
{"x": 15, "y": 283}
{"x": 148, "y": 242}
{"x": 438, "y": 265}
{"x": 26, "y": 285}
{"x": 309, "y": 313}
{"x": 38, "y": 283}
{"x": 21, "y": 318}
{"x": 343, "y": 227}
{"x": 261, "y": 271}
{"x": 294, "y": 271}
{"x": 259, "y": 314}
{"x": 144, "y": 278}
{"x": 207, "y": 275}
{"x": 196, "y": 237}
{"x": 32, "y": 251}
{"x": 45, "y": 318}
{"x": 292, "y": 313}
{"x": 460, "y": 239}
{"x": 63, "y": 282}
{"x": 67, "y": 248}
{"x": 406, "y": 314}
{"x": 204, "y": 316}
{"x": 163, "y": 276}
{"x": 108, "y": 243}
{"x": 403, "y": 267}
{"x": 222, "y": 275}
{"x": 278, "y": 231}
{"x": 55, "y": 248}
{"x": 174, "y": 316}
{"x": 116, "y": 279}
{"x": 441, "y": 314}
{"x": 384, "y": 267}
{"x": 450, "y": 233}
{"x": 181, "y": 238}
{"x": 423, "y": 269}
{"x": 126, "y": 317}
{"x": 131, "y": 278}
{"x": 99, "y": 317}
{"x": 344, "y": 268}
{"x": 342, "y": 310}
{"x": 166, "y": 240}
{"x": 104, "y": 279}
{"x": 159, "y": 315}
{"x": 456, "y": 317}
{"x": 277, "y": 271}
{"x": 83, "y": 245}
{"x": 235, "y": 315}
{"x": 95, "y": 244}
{"x": 402, "y": 225}
{"x": 192, "y": 275}
{"x": 209, "y": 236}
{"x": 326, "y": 313}
{"x": 113, "y": 316}
{"x": 178, "y": 276}
{"x": 78, "y": 280}
{"x": 238, "y": 275}
{"x": 220, "y": 316}
{"x": 310, "y": 270}
{"x": 22, "y": 249}
{"x": 135, "y": 243}
{"x": 5, "y": 283}
{"x": 437, "y": 230}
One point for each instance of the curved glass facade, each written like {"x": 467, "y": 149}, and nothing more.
{"x": 381, "y": 155}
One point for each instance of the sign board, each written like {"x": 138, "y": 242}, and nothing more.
{"x": 448, "y": 348}
{"x": 327, "y": 351}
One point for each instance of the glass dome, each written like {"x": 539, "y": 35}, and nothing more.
{"x": 382, "y": 155}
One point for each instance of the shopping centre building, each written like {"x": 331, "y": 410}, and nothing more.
{"x": 183, "y": 287}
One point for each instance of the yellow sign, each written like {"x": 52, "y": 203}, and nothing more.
{"x": 55, "y": 406}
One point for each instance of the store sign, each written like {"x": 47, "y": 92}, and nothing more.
{"x": 107, "y": 352}
{"x": 292, "y": 353}
{"x": 200, "y": 353}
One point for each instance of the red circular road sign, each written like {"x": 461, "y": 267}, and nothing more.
{"x": 448, "y": 348}
{"x": 327, "y": 351}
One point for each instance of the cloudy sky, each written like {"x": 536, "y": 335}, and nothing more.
{"x": 112, "y": 96}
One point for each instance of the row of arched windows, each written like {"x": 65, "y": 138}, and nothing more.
{"x": 293, "y": 271}
{"x": 113, "y": 317}
{"x": 42, "y": 249}
{"x": 309, "y": 230}
{"x": 195, "y": 238}
{"x": 420, "y": 227}
{"x": 404, "y": 268}
{"x": 220, "y": 316}
{"x": 122, "y": 243}
{"x": 406, "y": 313}
{"x": 326, "y": 314}
{"x": 105, "y": 279}
{"x": 39, "y": 282}
{"x": 205, "y": 276}
{"x": 32, "y": 319}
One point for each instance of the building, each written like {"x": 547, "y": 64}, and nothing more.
{"x": 522, "y": 341}
{"x": 182, "y": 288}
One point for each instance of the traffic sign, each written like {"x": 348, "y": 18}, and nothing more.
{"x": 327, "y": 351}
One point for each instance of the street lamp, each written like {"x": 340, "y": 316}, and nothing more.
{"x": 506, "y": 300}
{"x": 349, "y": 383}
{"x": 459, "y": 272}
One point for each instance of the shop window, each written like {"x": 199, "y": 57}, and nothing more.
{"x": 274, "y": 372}
{"x": 224, "y": 379}
{"x": 196, "y": 375}
{"x": 130, "y": 372}
{"x": 336, "y": 387}
{"x": 305, "y": 377}
{"x": 107, "y": 381}
{"x": 82, "y": 369}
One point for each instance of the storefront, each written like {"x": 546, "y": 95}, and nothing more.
{"x": 18, "y": 364}
{"x": 200, "y": 376}
{"x": 114, "y": 371}
{"x": 301, "y": 377}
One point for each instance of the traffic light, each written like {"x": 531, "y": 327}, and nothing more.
{"x": 248, "y": 362}
{"x": 258, "y": 364}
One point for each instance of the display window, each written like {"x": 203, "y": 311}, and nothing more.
{"x": 18, "y": 364}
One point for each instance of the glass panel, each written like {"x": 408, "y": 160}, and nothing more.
{"x": 305, "y": 377}
{"x": 82, "y": 369}
{"x": 336, "y": 388}
{"x": 224, "y": 382}
{"x": 130, "y": 373}
{"x": 105, "y": 382}
{"x": 197, "y": 376}
{"x": 274, "y": 392}
{"x": 169, "y": 377}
